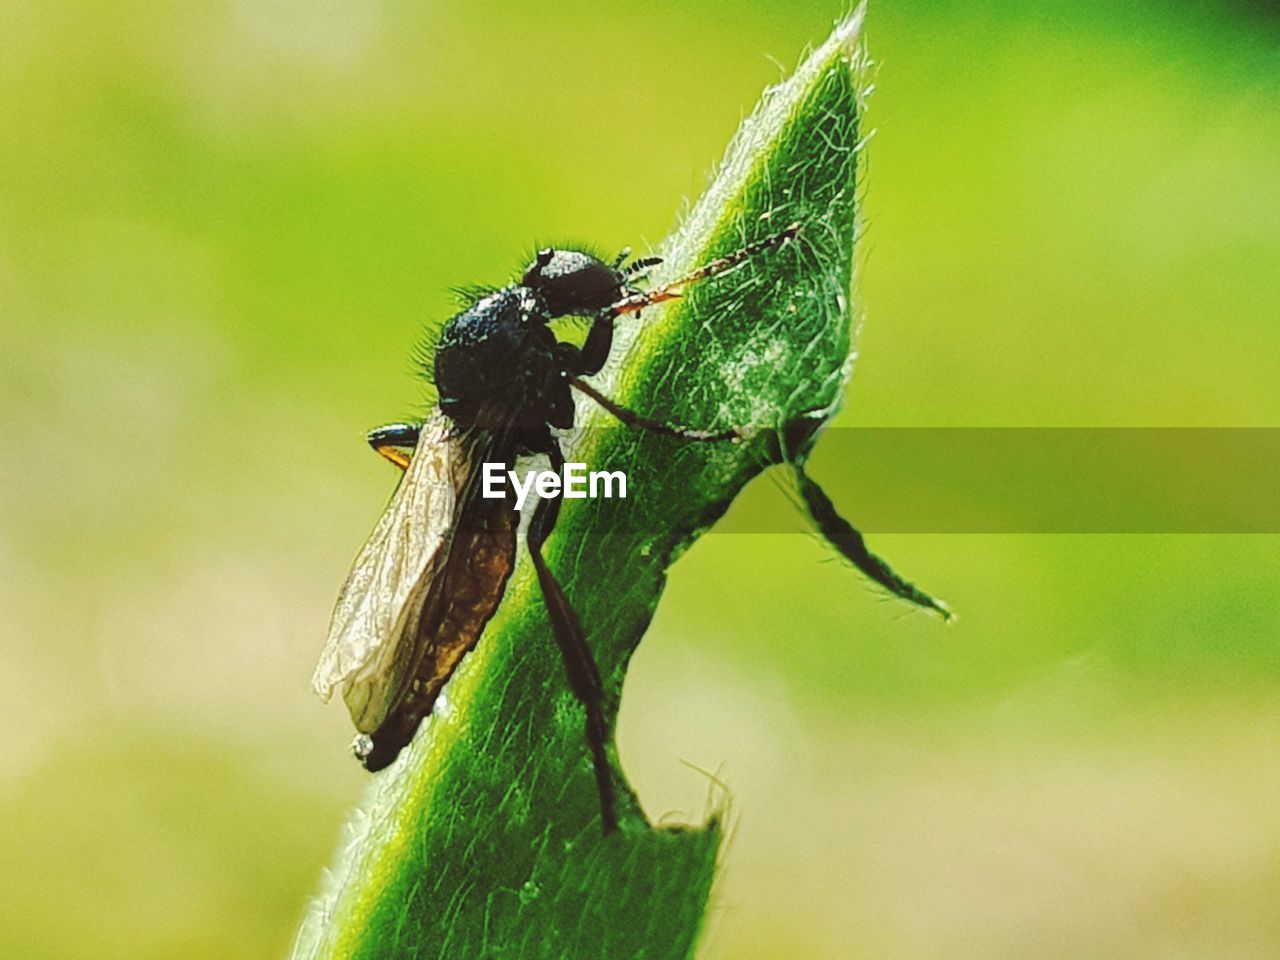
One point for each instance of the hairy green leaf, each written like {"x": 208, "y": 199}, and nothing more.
{"x": 484, "y": 839}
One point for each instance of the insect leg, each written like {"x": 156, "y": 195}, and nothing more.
{"x": 841, "y": 535}
{"x": 633, "y": 419}
{"x": 590, "y": 359}
{"x": 385, "y": 440}
{"x": 584, "y": 675}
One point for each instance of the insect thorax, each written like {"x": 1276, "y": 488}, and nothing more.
{"x": 495, "y": 364}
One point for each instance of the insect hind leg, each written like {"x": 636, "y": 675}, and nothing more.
{"x": 386, "y": 439}
{"x": 580, "y": 664}
{"x": 842, "y": 535}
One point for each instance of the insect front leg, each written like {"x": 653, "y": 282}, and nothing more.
{"x": 385, "y": 440}
{"x": 591, "y": 358}
{"x": 580, "y": 664}
{"x": 841, "y": 534}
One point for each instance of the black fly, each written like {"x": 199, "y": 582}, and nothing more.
{"x": 435, "y": 568}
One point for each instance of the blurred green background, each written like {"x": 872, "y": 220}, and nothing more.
{"x": 223, "y": 228}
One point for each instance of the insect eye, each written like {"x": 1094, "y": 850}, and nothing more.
{"x": 544, "y": 256}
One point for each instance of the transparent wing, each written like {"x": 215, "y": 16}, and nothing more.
{"x": 368, "y": 652}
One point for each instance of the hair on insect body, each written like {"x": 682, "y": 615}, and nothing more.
{"x": 436, "y": 565}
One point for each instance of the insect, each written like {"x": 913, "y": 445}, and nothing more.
{"x": 434, "y": 570}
